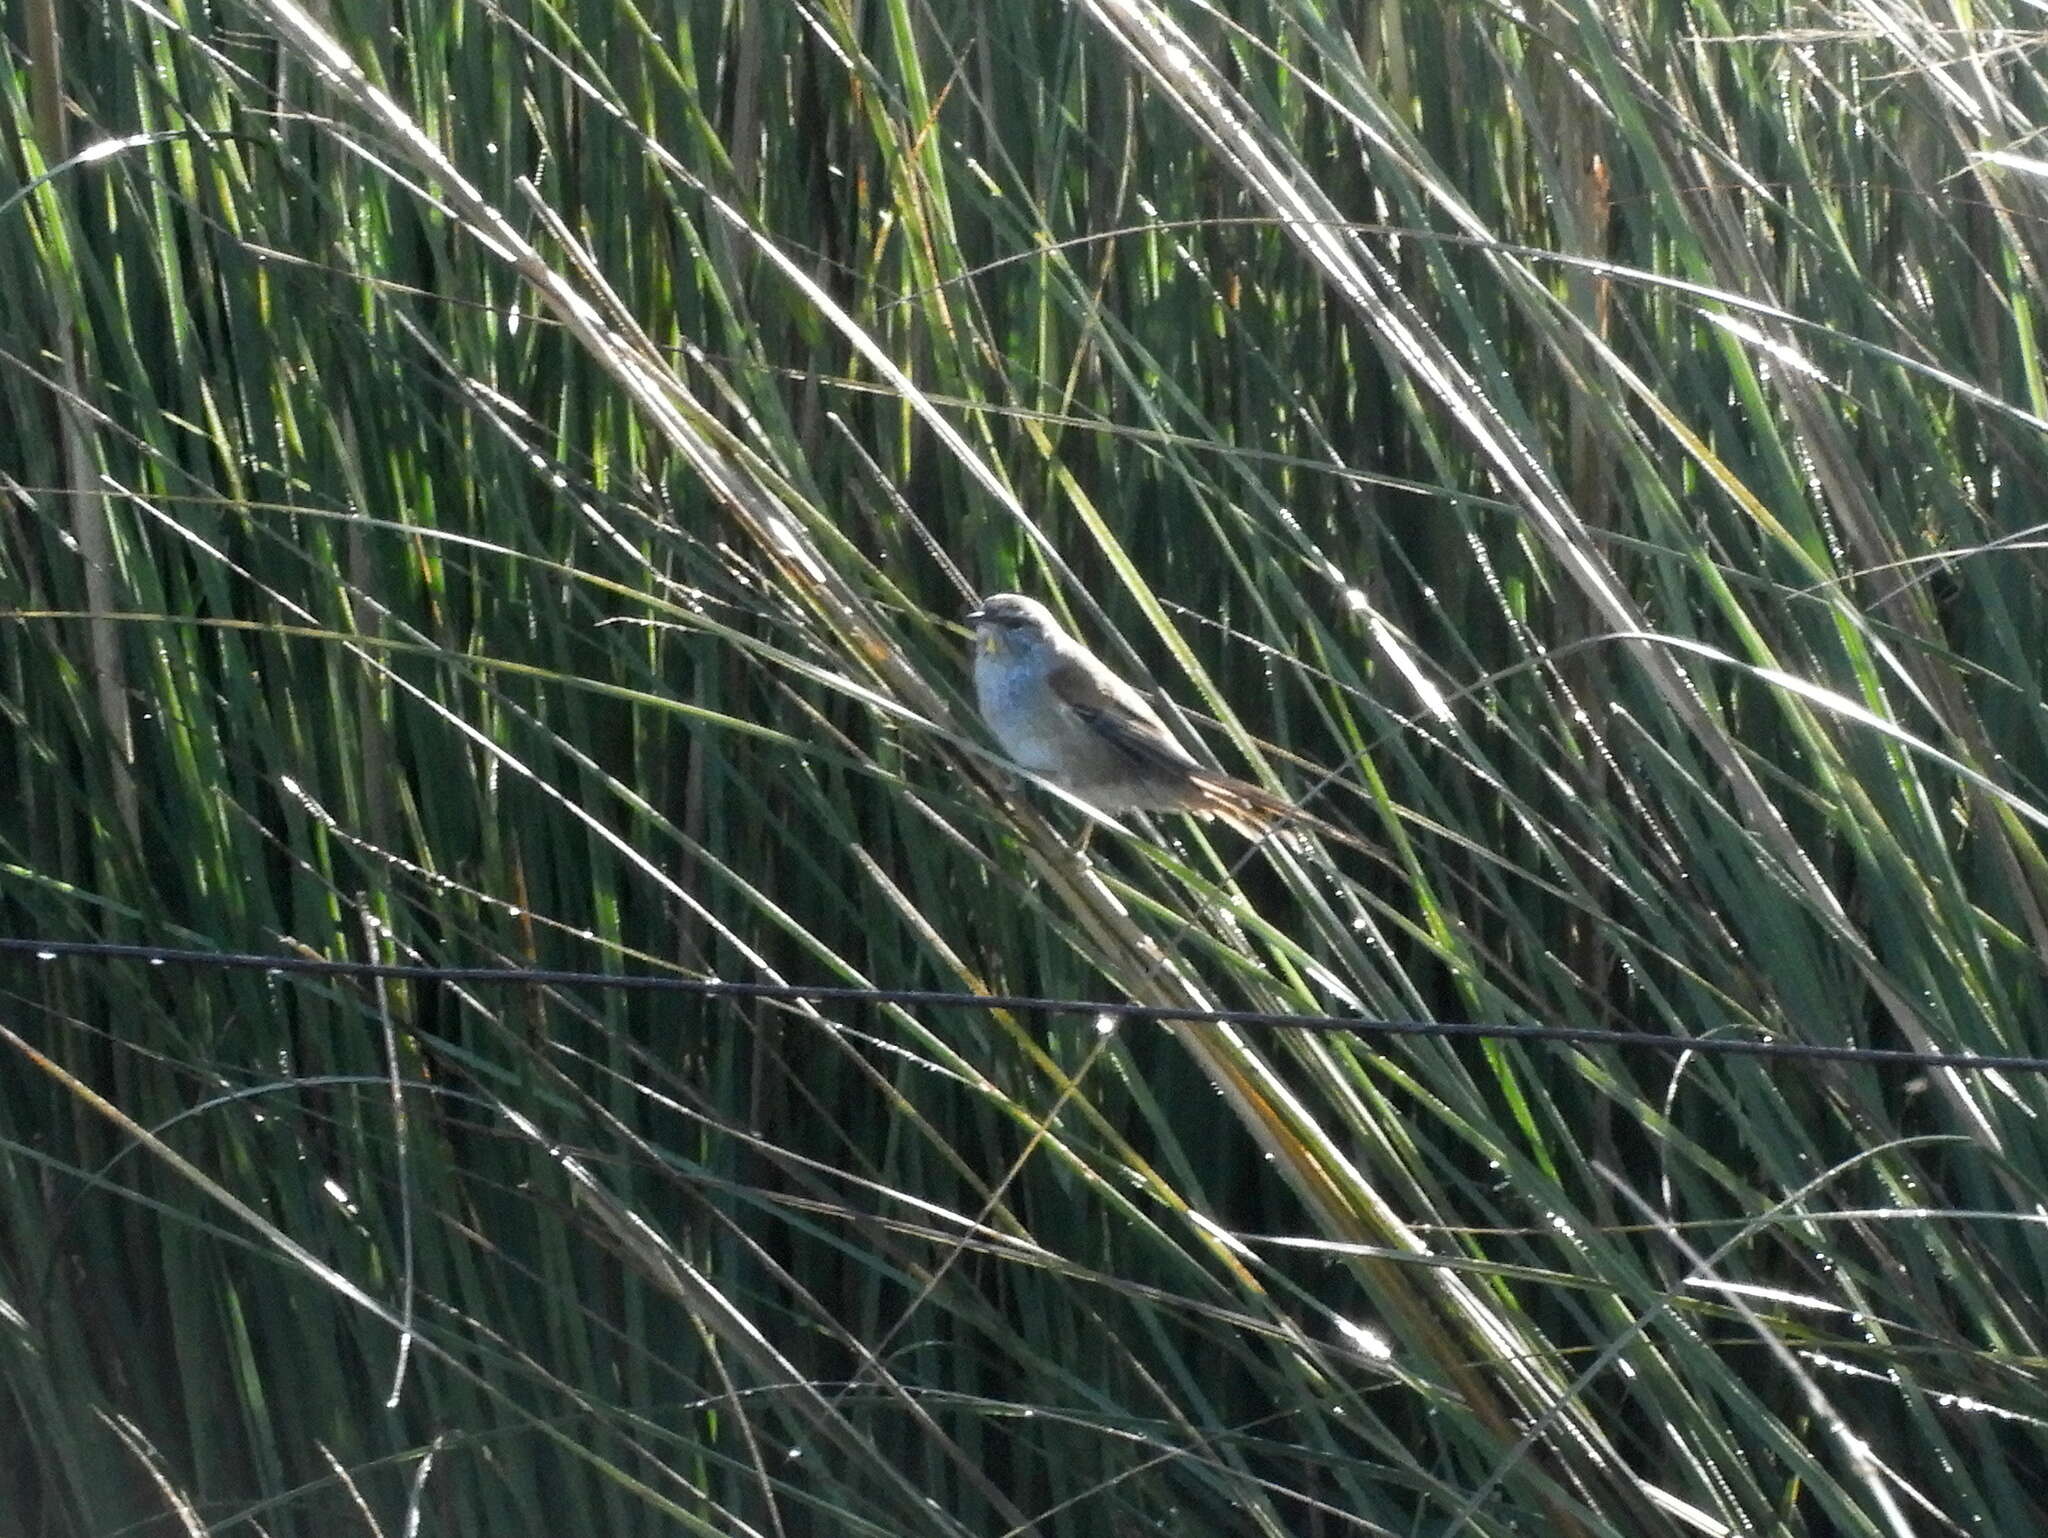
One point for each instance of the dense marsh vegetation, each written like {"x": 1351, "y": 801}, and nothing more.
{"x": 495, "y": 483}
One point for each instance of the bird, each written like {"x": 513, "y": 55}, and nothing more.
{"x": 1060, "y": 713}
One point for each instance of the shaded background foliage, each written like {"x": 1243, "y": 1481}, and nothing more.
{"x": 505, "y": 497}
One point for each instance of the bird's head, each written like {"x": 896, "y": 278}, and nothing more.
{"x": 1009, "y": 624}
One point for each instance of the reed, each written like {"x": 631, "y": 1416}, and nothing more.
{"x": 495, "y": 483}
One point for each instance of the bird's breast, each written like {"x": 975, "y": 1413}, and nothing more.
{"x": 1025, "y": 715}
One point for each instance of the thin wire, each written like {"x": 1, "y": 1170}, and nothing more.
{"x": 827, "y": 993}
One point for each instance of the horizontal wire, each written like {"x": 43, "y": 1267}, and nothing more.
{"x": 535, "y": 977}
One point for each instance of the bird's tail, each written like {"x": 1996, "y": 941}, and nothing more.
{"x": 1255, "y": 811}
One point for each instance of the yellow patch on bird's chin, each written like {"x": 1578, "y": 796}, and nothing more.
{"x": 989, "y": 643}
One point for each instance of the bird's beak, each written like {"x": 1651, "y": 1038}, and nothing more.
{"x": 986, "y": 638}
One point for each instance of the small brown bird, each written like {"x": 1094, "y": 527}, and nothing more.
{"x": 1060, "y": 713}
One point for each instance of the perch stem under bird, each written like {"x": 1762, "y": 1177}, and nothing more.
{"x": 1060, "y": 713}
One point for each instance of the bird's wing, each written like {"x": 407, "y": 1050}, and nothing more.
{"x": 1119, "y": 715}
